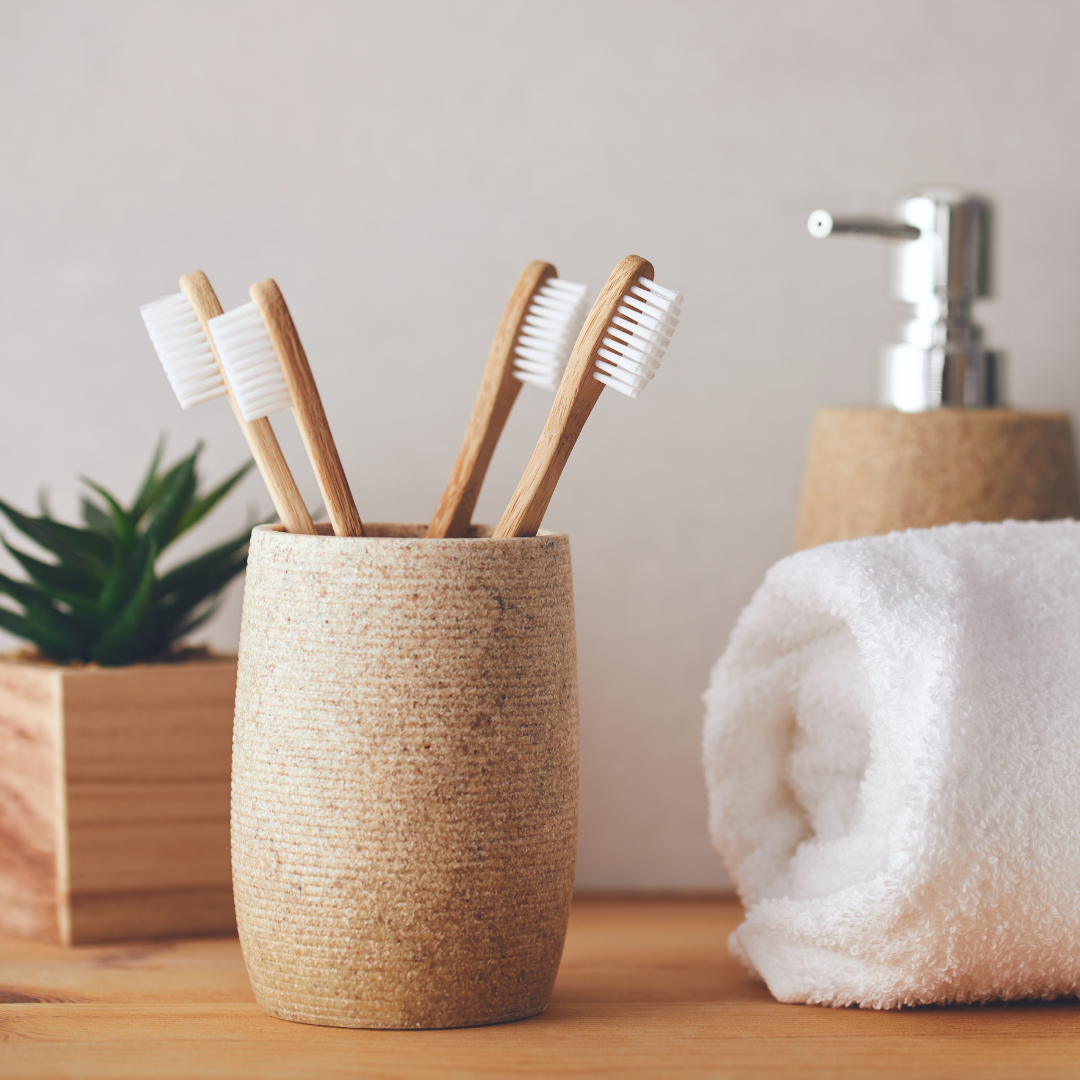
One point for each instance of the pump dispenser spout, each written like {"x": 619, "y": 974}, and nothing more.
{"x": 942, "y": 267}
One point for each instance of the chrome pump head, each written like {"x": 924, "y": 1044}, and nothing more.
{"x": 942, "y": 267}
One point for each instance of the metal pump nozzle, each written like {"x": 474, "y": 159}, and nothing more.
{"x": 942, "y": 267}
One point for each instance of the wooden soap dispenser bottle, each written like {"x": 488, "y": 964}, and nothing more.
{"x": 942, "y": 447}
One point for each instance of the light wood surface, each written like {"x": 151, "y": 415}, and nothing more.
{"x": 870, "y": 471}
{"x": 646, "y": 990}
{"x": 33, "y": 840}
{"x": 498, "y": 391}
{"x": 114, "y": 799}
{"x": 577, "y": 395}
{"x": 261, "y": 440}
{"x": 308, "y": 409}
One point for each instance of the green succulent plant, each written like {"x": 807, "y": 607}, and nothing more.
{"x": 102, "y": 599}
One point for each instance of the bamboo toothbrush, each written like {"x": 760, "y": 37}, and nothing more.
{"x": 178, "y": 331}
{"x": 268, "y": 371}
{"x": 532, "y": 343}
{"x": 620, "y": 346}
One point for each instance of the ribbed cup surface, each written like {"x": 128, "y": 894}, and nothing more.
{"x": 405, "y": 769}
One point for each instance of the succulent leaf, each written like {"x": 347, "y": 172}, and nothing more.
{"x": 56, "y": 580}
{"x": 191, "y": 572}
{"x": 151, "y": 484}
{"x": 20, "y": 592}
{"x": 121, "y": 525}
{"x": 77, "y": 547}
{"x": 177, "y": 490}
{"x": 199, "y": 508}
{"x": 52, "y": 632}
{"x": 22, "y": 627}
{"x": 118, "y": 641}
{"x": 102, "y": 600}
{"x": 96, "y": 518}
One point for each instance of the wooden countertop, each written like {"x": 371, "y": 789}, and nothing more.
{"x": 646, "y": 989}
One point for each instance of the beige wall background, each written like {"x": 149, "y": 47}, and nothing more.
{"x": 395, "y": 165}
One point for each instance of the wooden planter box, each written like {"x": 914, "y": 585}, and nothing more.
{"x": 114, "y": 800}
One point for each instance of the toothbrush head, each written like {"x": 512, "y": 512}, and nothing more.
{"x": 548, "y": 332}
{"x": 183, "y": 349}
{"x": 637, "y": 337}
{"x": 250, "y": 361}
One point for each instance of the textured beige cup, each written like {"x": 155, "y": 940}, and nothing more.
{"x": 405, "y": 776}
{"x": 870, "y": 471}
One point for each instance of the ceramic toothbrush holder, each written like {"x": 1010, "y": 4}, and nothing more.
{"x": 405, "y": 776}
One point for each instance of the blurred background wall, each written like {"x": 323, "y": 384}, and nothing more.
{"x": 394, "y": 166}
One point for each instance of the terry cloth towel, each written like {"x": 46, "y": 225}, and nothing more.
{"x": 892, "y": 754}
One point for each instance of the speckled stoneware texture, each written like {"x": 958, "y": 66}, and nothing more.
{"x": 405, "y": 776}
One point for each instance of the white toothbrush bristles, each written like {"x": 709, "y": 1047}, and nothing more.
{"x": 185, "y": 354}
{"x": 550, "y": 328}
{"x": 250, "y": 361}
{"x": 637, "y": 337}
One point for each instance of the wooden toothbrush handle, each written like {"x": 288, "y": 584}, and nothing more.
{"x": 498, "y": 391}
{"x": 308, "y": 409}
{"x": 260, "y": 436}
{"x": 577, "y": 395}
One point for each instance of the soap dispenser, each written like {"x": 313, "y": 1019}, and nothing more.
{"x": 942, "y": 447}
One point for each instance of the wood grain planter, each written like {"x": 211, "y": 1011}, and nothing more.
{"x": 405, "y": 770}
{"x": 114, "y": 800}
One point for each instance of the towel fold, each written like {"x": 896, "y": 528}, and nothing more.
{"x": 892, "y": 753}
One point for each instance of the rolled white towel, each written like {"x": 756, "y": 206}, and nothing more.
{"x": 892, "y": 753}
